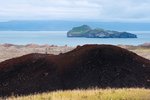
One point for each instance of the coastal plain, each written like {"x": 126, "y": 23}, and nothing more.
{"x": 8, "y": 51}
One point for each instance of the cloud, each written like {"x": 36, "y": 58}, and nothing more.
{"x": 101, "y": 10}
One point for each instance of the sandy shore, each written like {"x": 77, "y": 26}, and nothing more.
{"x": 8, "y": 51}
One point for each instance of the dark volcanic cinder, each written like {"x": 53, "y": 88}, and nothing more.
{"x": 85, "y": 67}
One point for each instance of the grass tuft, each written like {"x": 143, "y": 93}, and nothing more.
{"x": 90, "y": 94}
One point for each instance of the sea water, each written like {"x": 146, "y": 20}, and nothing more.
{"x": 60, "y": 38}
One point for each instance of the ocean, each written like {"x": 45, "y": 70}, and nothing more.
{"x": 60, "y": 38}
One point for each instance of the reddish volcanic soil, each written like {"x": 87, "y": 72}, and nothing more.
{"x": 85, "y": 67}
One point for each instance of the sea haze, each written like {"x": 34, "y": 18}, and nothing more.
{"x": 60, "y": 38}
{"x": 59, "y": 25}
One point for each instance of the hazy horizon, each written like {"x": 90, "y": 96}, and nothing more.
{"x": 121, "y": 15}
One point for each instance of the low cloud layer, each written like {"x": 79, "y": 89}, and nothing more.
{"x": 99, "y": 10}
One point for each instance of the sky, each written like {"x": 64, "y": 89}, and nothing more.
{"x": 91, "y": 10}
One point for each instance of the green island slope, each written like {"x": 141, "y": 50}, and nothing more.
{"x": 88, "y": 32}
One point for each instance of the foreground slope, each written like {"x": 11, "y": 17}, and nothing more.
{"x": 86, "y": 66}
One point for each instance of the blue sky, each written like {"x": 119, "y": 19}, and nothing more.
{"x": 94, "y": 10}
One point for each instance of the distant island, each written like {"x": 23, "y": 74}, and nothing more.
{"x": 88, "y": 32}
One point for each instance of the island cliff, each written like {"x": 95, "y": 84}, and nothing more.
{"x": 88, "y": 32}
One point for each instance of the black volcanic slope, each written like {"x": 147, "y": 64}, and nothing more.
{"x": 86, "y": 66}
